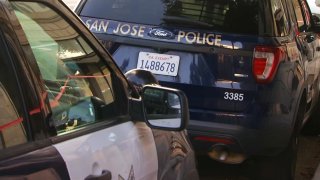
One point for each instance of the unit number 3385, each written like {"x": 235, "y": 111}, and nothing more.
{"x": 233, "y": 96}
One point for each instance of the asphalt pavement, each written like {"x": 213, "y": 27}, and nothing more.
{"x": 316, "y": 175}
{"x": 307, "y": 163}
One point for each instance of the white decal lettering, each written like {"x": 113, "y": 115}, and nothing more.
{"x": 104, "y": 26}
{"x": 134, "y": 30}
{"x": 115, "y": 31}
{"x": 218, "y": 40}
{"x": 191, "y": 35}
{"x": 88, "y": 23}
{"x": 181, "y": 34}
{"x": 94, "y": 26}
{"x": 202, "y": 39}
{"x": 210, "y": 42}
{"x": 125, "y": 29}
{"x": 141, "y": 31}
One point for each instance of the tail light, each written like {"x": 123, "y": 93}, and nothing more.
{"x": 266, "y": 61}
{"x": 214, "y": 139}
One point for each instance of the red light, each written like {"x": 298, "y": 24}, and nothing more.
{"x": 213, "y": 139}
{"x": 259, "y": 65}
{"x": 265, "y": 62}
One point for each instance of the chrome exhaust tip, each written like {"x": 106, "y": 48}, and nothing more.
{"x": 221, "y": 153}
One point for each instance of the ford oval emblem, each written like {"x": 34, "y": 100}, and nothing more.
{"x": 161, "y": 33}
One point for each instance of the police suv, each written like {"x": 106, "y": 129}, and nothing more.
{"x": 67, "y": 111}
{"x": 250, "y": 69}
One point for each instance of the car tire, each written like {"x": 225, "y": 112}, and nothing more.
{"x": 283, "y": 165}
{"x": 312, "y": 126}
{"x": 280, "y": 167}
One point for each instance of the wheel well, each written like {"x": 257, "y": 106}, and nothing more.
{"x": 301, "y": 110}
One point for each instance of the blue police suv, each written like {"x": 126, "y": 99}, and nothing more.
{"x": 67, "y": 111}
{"x": 250, "y": 69}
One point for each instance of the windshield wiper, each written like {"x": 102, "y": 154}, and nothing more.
{"x": 185, "y": 21}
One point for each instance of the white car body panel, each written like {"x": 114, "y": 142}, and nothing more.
{"x": 125, "y": 149}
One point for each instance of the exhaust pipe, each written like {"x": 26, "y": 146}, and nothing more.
{"x": 221, "y": 152}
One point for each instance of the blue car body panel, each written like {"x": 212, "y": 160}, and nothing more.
{"x": 214, "y": 63}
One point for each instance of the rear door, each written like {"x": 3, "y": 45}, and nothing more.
{"x": 309, "y": 42}
{"x": 93, "y": 133}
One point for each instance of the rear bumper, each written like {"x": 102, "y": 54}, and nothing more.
{"x": 269, "y": 138}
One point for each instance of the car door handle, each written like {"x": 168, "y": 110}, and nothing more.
{"x": 105, "y": 175}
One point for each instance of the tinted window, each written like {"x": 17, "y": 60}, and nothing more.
{"x": 302, "y": 23}
{"x": 238, "y": 16}
{"x": 280, "y": 17}
{"x": 306, "y": 12}
{"x": 12, "y": 131}
{"x": 79, "y": 83}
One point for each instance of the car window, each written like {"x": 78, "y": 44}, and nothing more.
{"x": 280, "y": 17}
{"x": 12, "y": 131}
{"x": 79, "y": 83}
{"x": 306, "y": 13}
{"x": 217, "y": 15}
{"x": 300, "y": 12}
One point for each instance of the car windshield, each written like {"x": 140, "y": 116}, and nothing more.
{"x": 79, "y": 84}
{"x": 234, "y": 16}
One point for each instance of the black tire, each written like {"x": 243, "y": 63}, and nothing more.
{"x": 280, "y": 167}
{"x": 312, "y": 126}
{"x": 283, "y": 165}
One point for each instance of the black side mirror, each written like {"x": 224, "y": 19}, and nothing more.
{"x": 138, "y": 78}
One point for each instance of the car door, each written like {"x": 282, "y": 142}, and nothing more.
{"x": 16, "y": 137}
{"x": 94, "y": 134}
{"x": 309, "y": 45}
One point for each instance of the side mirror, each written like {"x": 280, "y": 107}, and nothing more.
{"x": 138, "y": 78}
{"x": 165, "y": 108}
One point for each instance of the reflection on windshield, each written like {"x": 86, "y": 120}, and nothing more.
{"x": 214, "y": 15}
{"x": 78, "y": 82}
{"x": 73, "y": 48}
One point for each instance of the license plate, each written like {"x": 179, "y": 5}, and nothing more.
{"x": 163, "y": 64}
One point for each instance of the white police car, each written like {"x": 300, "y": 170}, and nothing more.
{"x": 67, "y": 111}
